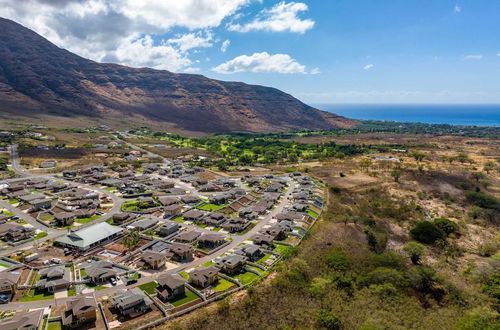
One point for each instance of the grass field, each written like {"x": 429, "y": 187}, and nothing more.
{"x": 40, "y": 235}
{"x": 188, "y": 297}
{"x": 179, "y": 219}
{"x": 54, "y": 325}
{"x": 34, "y": 295}
{"x": 222, "y": 285}
{"x": 184, "y": 275}
{"x": 208, "y": 263}
{"x": 312, "y": 214}
{"x": 246, "y": 278}
{"x": 87, "y": 220}
{"x": 280, "y": 248}
{"x": 149, "y": 287}
{"x": 211, "y": 207}
{"x": 264, "y": 258}
{"x": 71, "y": 292}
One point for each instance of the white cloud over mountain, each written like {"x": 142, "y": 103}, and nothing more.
{"x": 124, "y": 31}
{"x": 262, "y": 62}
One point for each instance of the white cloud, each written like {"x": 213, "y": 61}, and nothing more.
{"x": 225, "y": 45}
{"x": 192, "y": 40}
{"x": 368, "y": 67}
{"x": 280, "y": 18}
{"x": 473, "y": 57}
{"x": 142, "y": 52}
{"x": 102, "y": 29}
{"x": 261, "y": 62}
{"x": 457, "y": 9}
{"x": 315, "y": 71}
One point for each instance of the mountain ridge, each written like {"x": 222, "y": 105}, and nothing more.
{"x": 40, "y": 80}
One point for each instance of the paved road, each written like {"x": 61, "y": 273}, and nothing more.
{"x": 52, "y": 232}
{"x": 237, "y": 239}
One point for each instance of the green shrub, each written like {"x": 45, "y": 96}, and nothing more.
{"x": 383, "y": 275}
{"x": 337, "y": 260}
{"x": 328, "y": 320}
{"x": 483, "y": 200}
{"x": 415, "y": 251}
{"x": 427, "y": 232}
{"x": 446, "y": 225}
{"x": 480, "y": 319}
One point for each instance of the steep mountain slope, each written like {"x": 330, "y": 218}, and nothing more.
{"x": 39, "y": 79}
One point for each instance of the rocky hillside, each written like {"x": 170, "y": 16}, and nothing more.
{"x": 39, "y": 79}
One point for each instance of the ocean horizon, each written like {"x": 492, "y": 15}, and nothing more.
{"x": 453, "y": 114}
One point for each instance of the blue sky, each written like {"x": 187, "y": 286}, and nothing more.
{"x": 322, "y": 51}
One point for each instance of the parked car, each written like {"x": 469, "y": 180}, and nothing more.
{"x": 112, "y": 281}
{"x": 131, "y": 281}
{"x": 14, "y": 217}
{"x": 4, "y": 299}
{"x": 99, "y": 213}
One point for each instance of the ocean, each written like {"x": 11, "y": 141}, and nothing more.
{"x": 461, "y": 114}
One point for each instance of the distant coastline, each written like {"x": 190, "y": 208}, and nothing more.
{"x": 453, "y": 114}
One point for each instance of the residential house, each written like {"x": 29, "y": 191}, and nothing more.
{"x": 210, "y": 240}
{"x": 168, "y": 228}
{"x": 232, "y": 264}
{"x": 188, "y": 236}
{"x": 122, "y": 217}
{"x": 170, "y": 287}
{"x": 193, "y": 215}
{"x": 234, "y": 225}
{"x": 168, "y": 200}
{"x": 204, "y": 276}
{"x": 53, "y": 278}
{"x": 13, "y": 232}
{"x": 131, "y": 302}
{"x": 100, "y": 271}
{"x": 141, "y": 225}
{"x": 263, "y": 239}
{"x": 152, "y": 260}
{"x": 79, "y": 311}
{"x": 23, "y": 320}
{"x": 8, "y": 280}
{"x": 214, "y": 219}
{"x": 251, "y": 251}
{"x": 190, "y": 199}
{"x": 181, "y": 252}
{"x": 173, "y": 209}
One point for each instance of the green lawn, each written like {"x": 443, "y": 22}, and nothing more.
{"x": 83, "y": 272}
{"x": 71, "y": 291}
{"x": 264, "y": 258}
{"x": 13, "y": 201}
{"x": 8, "y": 213}
{"x": 188, "y": 297}
{"x": 217, "y": 228}
{"x": 246, "y": 278}
{"x": 255, "y": 268}
{"x": 87, "y": 220}
{"x": 312, "y": 213}
{"x": 95, "y": 287}
{"x": 40, "y": 235}
{"x": 211, "y": 207}
{"x": 208, "y": 263}
{"x": 34, "y": 295}
{"x": 54, "y": 325}
{"x": 111, "y": 188}
{"x": 149, "y": 287}
{"x": 134, "y": 276}
{"x": 280, "y": 248}
{"x": 4, "y": 265}
{"x": 179, "y": 219}
{"x": 184, "y": 275}
{"x": 222, "y": 285}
